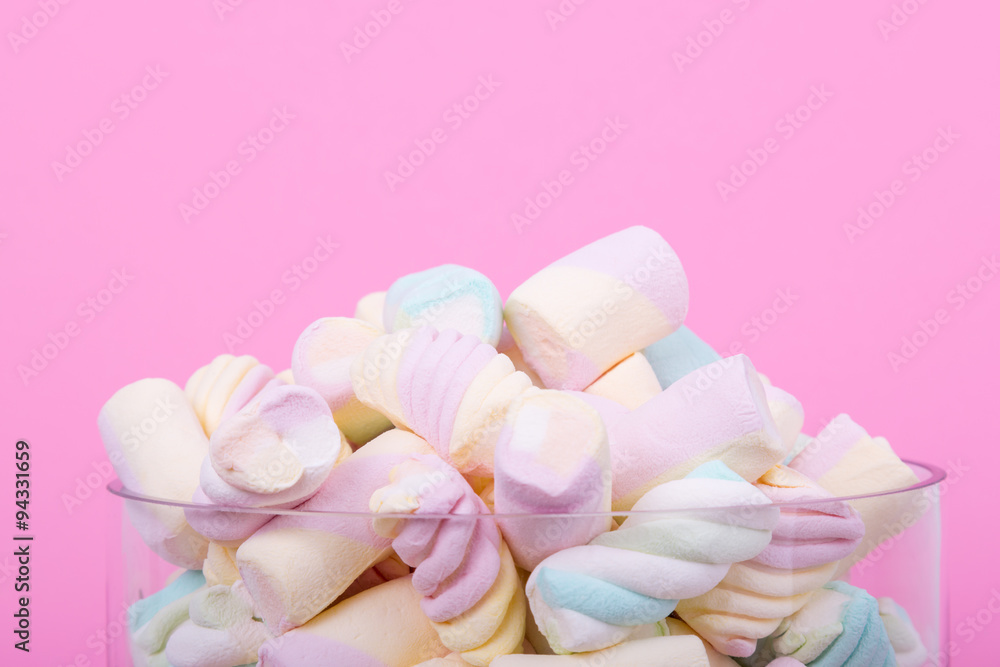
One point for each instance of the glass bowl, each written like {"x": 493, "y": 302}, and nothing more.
{"x": 904, "y": 566}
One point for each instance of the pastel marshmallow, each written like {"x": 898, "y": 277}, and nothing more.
{"x": 156, "y": 444}
{"x": 906, "y": 643}
{"x": 370, "y": 308}
{"x": 586, "y": 598}
{"x": 224, "y": 386}
{"x": 321, "y": 360}
{"x": 787, "y": 413}
{"x": 446, "y": 297}
{"x": 846, "y": 461}
{"x": 220, "y": 565}
{"x": 380, "y": 627}
{"x": 449, "y": 388}
{"x": 756, "y": 595}
{"x": 509, "y": 348}
{"x": 682, "y": 352}
{"x": 467, "y": 576}
{"x": 631, "y": 382}
{"x": 295, "y": 566}
{"x": 838, "y": 627}
{"x": 379, "y": 573}
{"x": 221, "y": 632}
{"x": 667, "y": 651}
{"x": 718, "y": 412}
{"x": 151, "y": 620}
{"x": 552, "y": 457}
{"x": 275, "y": 452}
{"x": 578, "y": 317}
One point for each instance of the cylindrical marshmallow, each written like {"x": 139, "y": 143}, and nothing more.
{"x": 631, "y": 382}
{"x": 156, "y": 445}
{"x": 446, "y": 297}
{"x": 653, "y": 652}
{"x": 678, "y": 354}
{"x": 581, "y": 315}
{"x": 275, "y": 452}
{"x": 295, "y": 566}
{"x": 322, "y": 360}
{"x": 719, "y": 412}
{"x": 370, "y": 308}
{"x": 381, "y": 627}
{"x": 552, "y": 458}
{"x": 224, "y": 386}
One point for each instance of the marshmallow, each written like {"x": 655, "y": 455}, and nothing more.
{"x": 674, "y": 627}
{"x": 275, "y": 452}
{"x": 910, "y": 650}
{"x": 472, "y": 593}
{"x": 586, "y": 598}
{"x": 652, "y": 652}
{"x": 156, "y": 444}
{"x": 450, "y": 660}
{"x": 787, "y": 413}
{"x": 286, "y": 376}
{"x": 379, "y": 573}
{"x": 756, "y": 595}
{"x": 581, "y": 315}
{"x": 508, "y": 347}
{"x": 153, "y": 619}
{"x": 224, "y": 386}
{"x": 294, "y": 566}
{"x": 321, "y": 359}
{"x": 381, "y": 627}
{"x": 682, "y": 352}
{"x": 446, "y": 297}
{"x": 451, "y": 389}
{"x": 846, "y": 461}
{"x": 678, "y": 354}
{"x": 631, "y": 382}
{"x": 552, "y": 457}
{"x": 221, "y": 632}
{"x": 370, "y": 308}
{"x": 838, "y": 627}
{"x": 220, "y": 565}
{"x": 718, "y": 412}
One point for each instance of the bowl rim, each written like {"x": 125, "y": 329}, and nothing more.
{"x": 932, "y": 475}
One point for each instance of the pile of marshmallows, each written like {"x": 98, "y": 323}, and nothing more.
{"x": 411, "y": 435}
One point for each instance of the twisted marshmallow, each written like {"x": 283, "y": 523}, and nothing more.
{"x": 838, "y": 627}
{"x": 464, "y": 571}
{"x": 585, "y": 598}
{"x": 756, "y": 595}
{"x": 451, "y": 389}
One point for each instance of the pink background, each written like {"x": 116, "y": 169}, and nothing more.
{"x": 890, "y": 92}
